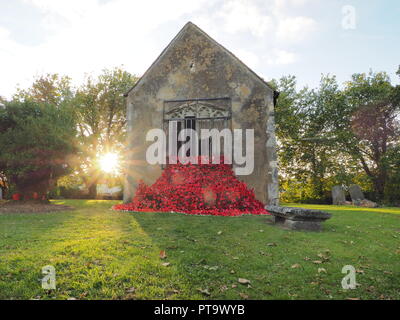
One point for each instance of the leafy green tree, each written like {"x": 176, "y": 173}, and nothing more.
{"x": 49, "y": 88}
{"x": 309, "y": 163}
{"x": 100, "y": 110}
{"x": 330, "y": 136}
{"x": 36, "y": 142}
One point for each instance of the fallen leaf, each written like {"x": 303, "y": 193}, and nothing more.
{"x": 224, "y": 288}
{"x": 317, "y": 262}
{"x": 371, "y": 289}
{"x": 173, "y": 291}
{"x": 243, "y": 281}
{"x": 353, "y": 299}
{"x": 320, "y": 270}
{"x": 130, "y": 290}
{"x": 205, "y": 292}
{"x": 234, "y": 286}
{"x": 232, "y": 271}
{"x": 219, "y": 233}
{"x": 272, "y": 244}
{"x": 163, "y": 255}
{"x": 130, "y": 296}
{"x": 166, "y": 264}
{"x": 243, "y": 296}
{"x": 296, "y": 266}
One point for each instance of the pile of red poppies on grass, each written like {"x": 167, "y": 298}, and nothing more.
{"x": 202, "y": 189}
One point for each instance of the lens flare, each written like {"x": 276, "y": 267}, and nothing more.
{"x": 109, "y": 163}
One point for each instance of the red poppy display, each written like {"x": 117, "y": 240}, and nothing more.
{"x": 204, "y": 189}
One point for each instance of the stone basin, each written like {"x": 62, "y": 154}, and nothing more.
{"x": 298, "y": 218}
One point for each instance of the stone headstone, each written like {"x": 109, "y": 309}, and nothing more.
{"x": 338, "y": 196}
{"x": 356, "y": 194}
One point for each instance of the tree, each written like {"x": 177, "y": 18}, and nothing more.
{"x": 330, "y": 136}
{"x": 370, "y": 128}
{"x": 36, "y": 142}
{"x": 309, "y": 164}
{"x": 100, "y": 110}
{"x": 49, "y": 88}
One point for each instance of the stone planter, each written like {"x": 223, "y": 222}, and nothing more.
{"x": 298, "y": 218}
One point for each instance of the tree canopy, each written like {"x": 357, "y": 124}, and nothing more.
{"x": 36, "y": 141}
{"x": 100, "y": 109}
{"x": 330, "y": 135}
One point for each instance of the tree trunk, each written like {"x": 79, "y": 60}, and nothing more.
{"x": 380, "y": 183}
{"x": 93, "y": 190}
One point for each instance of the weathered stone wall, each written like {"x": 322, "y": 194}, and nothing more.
{"x": 194, "y": 66}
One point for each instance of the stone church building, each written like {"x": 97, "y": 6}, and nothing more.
{"x": 200, "y": 84}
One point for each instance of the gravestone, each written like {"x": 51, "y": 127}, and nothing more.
{"x": 338, "y": 196}
{"x": 356, "y": 194}
{"x": 358, "y": 198}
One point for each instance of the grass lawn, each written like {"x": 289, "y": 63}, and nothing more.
{"x": 101, "y": 254}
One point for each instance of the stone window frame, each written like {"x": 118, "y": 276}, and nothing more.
{"x": 198, "y": 103}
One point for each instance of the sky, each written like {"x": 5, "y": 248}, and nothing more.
{"x": 305, "y": 38}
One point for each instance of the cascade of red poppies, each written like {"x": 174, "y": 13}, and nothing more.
{"x": 206, "y": 189}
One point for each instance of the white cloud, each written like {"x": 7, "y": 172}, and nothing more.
{"x": 269, "y": 20}
{"x": 71, "y": 10}
{"x": 245, "y": 15}
{"x": 13, "y": 63}
{"x": 280, "y": 57}
{"x": 282, "y": 6}
{"x": 247, "y": 57}
{"x": 295, "y": 29}
{"x": 89, "y": 35}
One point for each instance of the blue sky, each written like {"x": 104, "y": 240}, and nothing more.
{"x": 274, "y": 37}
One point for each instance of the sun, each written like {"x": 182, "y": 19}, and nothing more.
{"x": 109, "y": 163}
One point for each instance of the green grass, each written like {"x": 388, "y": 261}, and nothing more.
{"x": 100, "y": 254}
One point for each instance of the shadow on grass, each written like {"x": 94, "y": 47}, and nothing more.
{"x": 210, "y": 253}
